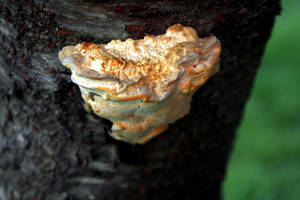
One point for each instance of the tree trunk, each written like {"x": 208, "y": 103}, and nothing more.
{"x": 51, "y": 148}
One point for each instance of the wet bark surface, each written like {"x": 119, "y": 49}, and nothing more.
{"x": 51, "y": 148}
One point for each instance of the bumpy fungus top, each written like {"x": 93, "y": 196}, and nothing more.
{"x": 147, "y": 68}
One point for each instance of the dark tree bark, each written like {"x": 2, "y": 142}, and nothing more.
{"x": 51, "y": 148}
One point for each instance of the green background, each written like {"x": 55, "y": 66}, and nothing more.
{"x": 265, "y": 164}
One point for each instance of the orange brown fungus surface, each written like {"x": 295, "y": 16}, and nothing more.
{"x": 143, "y": 85}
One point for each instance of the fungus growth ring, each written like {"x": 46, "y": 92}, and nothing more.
{"x": 143, "y": 85}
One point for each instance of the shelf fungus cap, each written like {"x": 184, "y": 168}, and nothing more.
{"x": 143, "y": 85}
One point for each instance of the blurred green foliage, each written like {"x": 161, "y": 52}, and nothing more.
{"x": 265, "y": 164}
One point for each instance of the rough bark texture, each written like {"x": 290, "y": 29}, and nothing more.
{"x": 51, "y": 148}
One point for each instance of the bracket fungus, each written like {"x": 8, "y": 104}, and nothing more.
{"x": 143, "y": 85}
